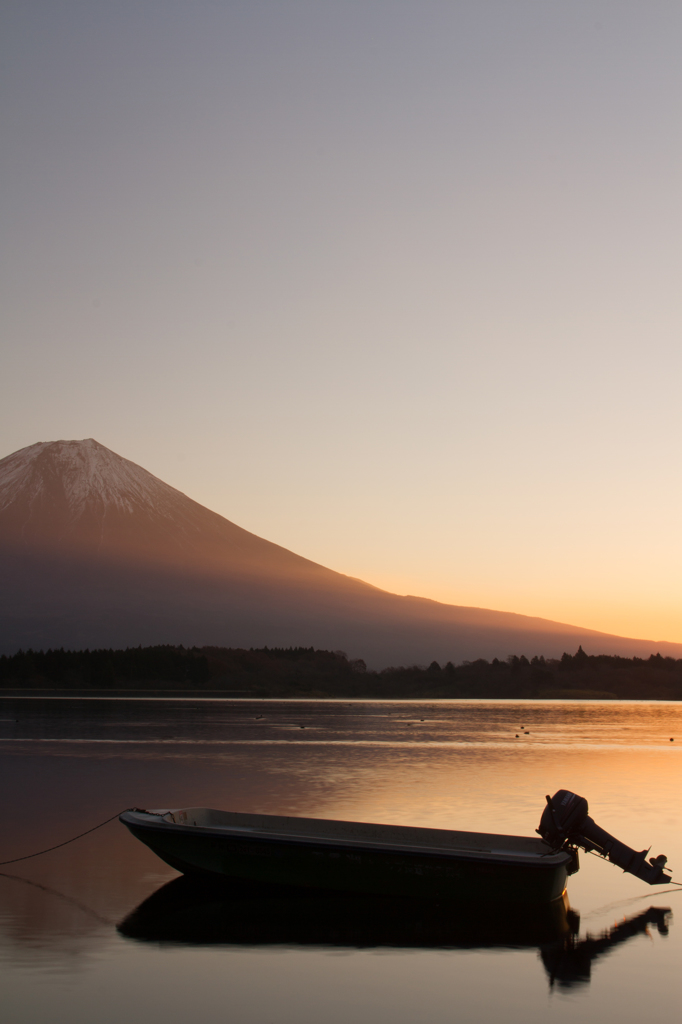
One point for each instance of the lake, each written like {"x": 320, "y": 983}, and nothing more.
{"x": 99, "y": 931}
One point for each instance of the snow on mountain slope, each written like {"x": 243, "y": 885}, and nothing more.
{"x": 82, "y": 473}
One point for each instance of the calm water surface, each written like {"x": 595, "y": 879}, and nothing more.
{"x": 96, "y": 932}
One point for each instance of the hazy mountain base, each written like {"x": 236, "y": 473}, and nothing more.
{"x": 305, "y": 672}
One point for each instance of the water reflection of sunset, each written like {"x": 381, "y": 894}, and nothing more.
{"x": 442, "y": 764}
{"x": 449, "y": 764}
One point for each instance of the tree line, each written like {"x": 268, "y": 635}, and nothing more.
{"x": 305, "y": 671}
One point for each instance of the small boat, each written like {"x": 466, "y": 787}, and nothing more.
{"x": 387, "y": 860}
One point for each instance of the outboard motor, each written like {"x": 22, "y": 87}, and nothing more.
{"x": 566, "y": 823}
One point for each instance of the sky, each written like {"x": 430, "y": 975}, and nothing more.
{"x": 395, "y": 285}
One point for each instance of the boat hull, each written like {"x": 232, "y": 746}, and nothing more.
{"x": 349, "y": 866}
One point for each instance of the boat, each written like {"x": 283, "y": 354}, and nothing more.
{"x": 390, "y": 860}
{"x": 387, "y": 860}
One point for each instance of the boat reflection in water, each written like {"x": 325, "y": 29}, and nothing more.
{"x": 191, "y": 911}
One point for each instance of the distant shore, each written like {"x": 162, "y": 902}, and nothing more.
{"x": 305, "y": 672}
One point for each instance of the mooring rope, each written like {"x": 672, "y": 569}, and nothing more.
{"x": 624, "y": 903}
{"x": 62, "y": 896}
{"x": 28, "y": 856}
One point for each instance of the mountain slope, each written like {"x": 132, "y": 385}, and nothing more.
{"x": 96, "y": 551}
{"x": 79, "y": 497}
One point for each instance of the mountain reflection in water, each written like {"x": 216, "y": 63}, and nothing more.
{"x": 193, "y": 912}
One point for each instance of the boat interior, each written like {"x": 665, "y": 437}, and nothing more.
{"x": 362, "y": 832}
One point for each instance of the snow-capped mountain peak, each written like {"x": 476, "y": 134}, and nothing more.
{"x": 80, "y": 475}
{"x": 82, "y": 497}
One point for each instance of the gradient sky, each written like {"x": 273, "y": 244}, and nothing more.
{"x": 393, "y": 284}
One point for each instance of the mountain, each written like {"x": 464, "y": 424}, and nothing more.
{"x": 97, "y": 552}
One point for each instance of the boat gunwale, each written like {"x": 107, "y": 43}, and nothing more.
{"x": 541, "y": 860}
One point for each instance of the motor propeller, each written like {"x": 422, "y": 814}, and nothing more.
{"x": 566, "y": 823}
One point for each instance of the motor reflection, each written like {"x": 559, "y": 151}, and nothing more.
{"x": 569, "y": 963}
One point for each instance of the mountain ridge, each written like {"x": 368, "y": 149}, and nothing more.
{"x": 100, "y": 552}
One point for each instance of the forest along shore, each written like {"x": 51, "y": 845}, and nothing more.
{"x": 305, "y": 672}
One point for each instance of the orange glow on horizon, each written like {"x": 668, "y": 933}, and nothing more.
{"x": 661, "y": 622}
